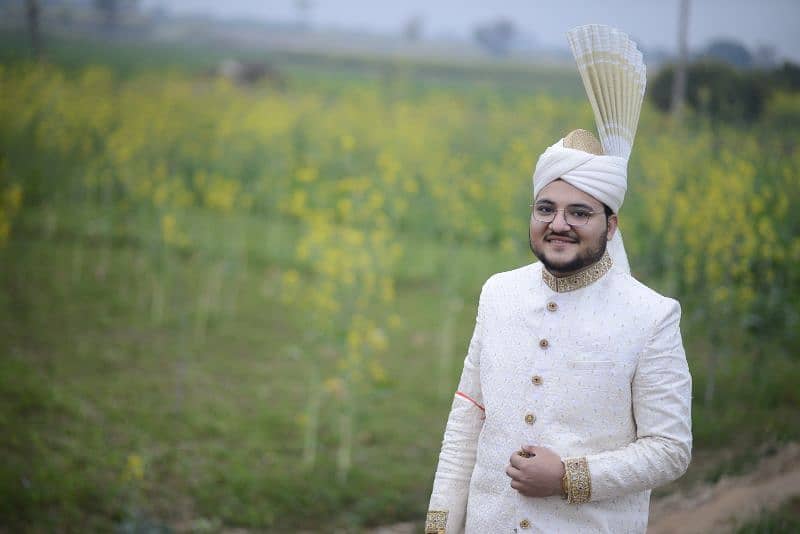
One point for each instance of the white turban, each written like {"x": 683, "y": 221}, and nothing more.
{"x": 603, "y": 177}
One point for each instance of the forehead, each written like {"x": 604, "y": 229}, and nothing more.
{"x": 560, "y": 192}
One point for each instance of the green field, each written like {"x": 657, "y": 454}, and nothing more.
{"x": 159, "y": 378}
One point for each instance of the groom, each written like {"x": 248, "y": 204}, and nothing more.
{"x": 574, "y": 401}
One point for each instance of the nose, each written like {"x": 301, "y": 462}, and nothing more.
{"x": 559, "y": 223}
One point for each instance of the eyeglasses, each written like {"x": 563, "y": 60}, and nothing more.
{"x": 573, "y": 215}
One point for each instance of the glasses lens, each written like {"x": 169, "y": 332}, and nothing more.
{"x": 543, "y": 213}
{"x": 577, "y": 217}
{"x": 573, "y": 216}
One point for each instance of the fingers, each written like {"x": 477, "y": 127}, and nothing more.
{"x": 538, "y": 450}
{"x": 516, "y": 460}
{"x": 520, "y": 487}
{"x": 513, "y": 472}
{"x": 530, "y": 449}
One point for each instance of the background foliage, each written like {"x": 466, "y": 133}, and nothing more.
{"x": 248, "y": 306}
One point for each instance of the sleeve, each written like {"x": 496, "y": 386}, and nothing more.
{"x": 662, "y": 397}
{"x": 448, "y": 504}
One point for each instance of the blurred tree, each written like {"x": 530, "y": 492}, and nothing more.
{"x": 413, "y": 28}
{"x": 496, "y": 36}
{"x": 715, "y": 89}
{"x": 303, "y": 8}
{"x": 679, "y": 80}
{"x": 64, "y": 14}
{"x": 729, "y": 51}
{"x": 110, "y": 11}
{"x": 764, "y": 57}
{"x": 786, "y": 77}
{"x": 32, "y": 10}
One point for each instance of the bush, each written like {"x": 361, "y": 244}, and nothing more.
{"x": 716, "y": 90}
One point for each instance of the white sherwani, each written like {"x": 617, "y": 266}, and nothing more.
{"x": 598, "y": 372}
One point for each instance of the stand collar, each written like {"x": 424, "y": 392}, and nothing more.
{"x": 580, "y": 279}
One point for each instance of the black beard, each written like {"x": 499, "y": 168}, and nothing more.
{"x": 581, "y": 261}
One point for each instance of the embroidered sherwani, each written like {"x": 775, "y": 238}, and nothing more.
{"x": 592, "y": 367}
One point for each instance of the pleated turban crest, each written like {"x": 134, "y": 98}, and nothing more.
{"x": 578, "y": 160}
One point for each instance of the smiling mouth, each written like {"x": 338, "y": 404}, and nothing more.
{"x": 560, "y": 240}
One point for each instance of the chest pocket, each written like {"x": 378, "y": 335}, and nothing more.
{"x": 589, "y": 364}
{"x": 596, "y": 371}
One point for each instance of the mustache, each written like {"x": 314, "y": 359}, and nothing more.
{"x": 566, "y": 235}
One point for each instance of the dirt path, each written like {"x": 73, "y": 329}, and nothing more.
{"x": 714, "y": 508}
{"x": 729, "y": 502}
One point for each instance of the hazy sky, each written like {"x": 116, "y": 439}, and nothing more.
{"x": 653, "y": 23}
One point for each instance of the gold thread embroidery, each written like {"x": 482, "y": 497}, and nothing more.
{"x": 436, "y": 522}
{"x": 579, "y": 483}
{"x": 578, "y": 280}
{"x": 583, "y": 140}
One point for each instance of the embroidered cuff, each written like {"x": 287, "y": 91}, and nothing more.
{"x": 436, "y": 522}
{"x": 578, "y": 482}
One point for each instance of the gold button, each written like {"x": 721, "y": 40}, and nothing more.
{"x": 552, "y": 306}
{"x": 537, "y": 380}
{"x": 525, "y": 524}
{"x": 543, "y": 343}
{"x": 530, "y": 418}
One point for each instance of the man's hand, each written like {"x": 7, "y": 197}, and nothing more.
{"x": 537, "y": 476}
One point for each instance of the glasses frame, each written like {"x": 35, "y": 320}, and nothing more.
{"x": 592, "y": 213}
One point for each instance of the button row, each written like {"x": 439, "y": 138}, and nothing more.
{"x": 537, "y": 381}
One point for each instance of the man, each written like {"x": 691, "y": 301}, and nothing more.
{"x": 580, "y": 368}
{"x": 574, "y": 401}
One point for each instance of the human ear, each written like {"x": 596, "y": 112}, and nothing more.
{"x": 611, "y": 226}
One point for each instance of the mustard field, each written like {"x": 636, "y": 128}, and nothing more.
{"x": 247, "y": 307}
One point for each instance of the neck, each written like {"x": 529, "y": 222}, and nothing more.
{"x": 564, "y": 274}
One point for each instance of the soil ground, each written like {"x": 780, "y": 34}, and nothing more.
{"x": 723, "y": 506}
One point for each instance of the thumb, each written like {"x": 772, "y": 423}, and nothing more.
{"x": 530, "y": 449}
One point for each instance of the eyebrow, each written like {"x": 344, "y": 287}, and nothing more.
{"x": 576, "y": 205}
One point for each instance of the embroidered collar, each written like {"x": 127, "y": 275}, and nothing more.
{"x": 578, "y": 280}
